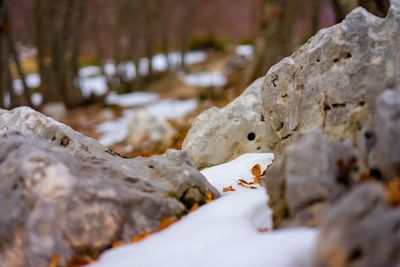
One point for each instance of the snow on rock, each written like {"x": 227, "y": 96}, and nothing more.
{"x": 204, "y": 79}
{"x": 246, "y": 51}
{"x": 131, "y": 99}
{"x": 223, "y": 232}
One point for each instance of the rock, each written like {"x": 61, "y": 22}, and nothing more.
{"x": 333, "y": 80}
{"x": 384, "y": 156}
{"x": 360, "y": 230}
{"x": 313, "y": 173}
{"x": 63, "y": 195}
{"x": 219, "y": 135}
{"x": 147, "y": 131}
{"x": 56, "y": 110}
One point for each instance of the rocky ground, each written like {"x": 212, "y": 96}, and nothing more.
{"x": 330, "y": 113}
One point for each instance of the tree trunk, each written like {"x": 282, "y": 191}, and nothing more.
{"x": 149, "y": 36}
{"x": 275, "y": 40}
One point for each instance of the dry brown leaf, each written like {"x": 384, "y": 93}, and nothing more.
{"x": 117, "y": 244}
{"x": 141, "y": 236}
{"x": 54, "y": 260}
{"x": 256, "y": 170}
{"x": 228, "y": 189}
{"x": 194, "y": 207}
{"x": 257, "y": 180}
{"x": 393, "y": 192}
{"x": 246, "y": 186}
{"x": 210, "y": 197}
{"x": 81, "y": 260}
{"x": 166, "y": 222}
{"x": 245, "y": 182}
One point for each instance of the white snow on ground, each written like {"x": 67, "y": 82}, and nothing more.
{"x": 37, "y": 99}
{"x": 204, "y": 79}
{"x": 96, "y": 85}
{"x": 172, "y": 109}
{"x": 32, "y": 80}
{"x": 89, "y": 71}
{"x": 223, "y": 232}
{"x": 116, "y": 131}
{"x": 131, "y": 99}
{"x": 245, "y": 51}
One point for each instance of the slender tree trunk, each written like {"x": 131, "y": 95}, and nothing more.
{"x": 186, "y": 7}
{"x": 165, "y": 26}
{"x": 3, "y": 57}
{"x": 149, "y": 36}
{"x": 315, "y": 19}
{"x": 275, "y": 40}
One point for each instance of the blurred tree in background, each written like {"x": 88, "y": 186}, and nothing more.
{"x": 70, "y": 34}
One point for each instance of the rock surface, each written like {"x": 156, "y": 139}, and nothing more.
{"x": 312, "y": 174}
{"x": 149, "y": 132}
{"x": 361, "y": 230}
{"x": 332, "y": 81}
{"x": 62, "y": 194}
{"x": 219, "y": 135}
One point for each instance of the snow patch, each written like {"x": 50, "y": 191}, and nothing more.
{"x": 246, "y": 51}
{"x": 223, "y": 232}
{"x": 131, "y": 99}
{"x": 204, "y": 79}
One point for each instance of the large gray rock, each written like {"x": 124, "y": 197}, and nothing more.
{"x": 360, "y": 231}
{"x": 62, "y": 193}
{"x": 332, "y": 81}
{"x": 313, "y": 172}
{"x": 384, "y": 150}
{"x": 219, "y": 135}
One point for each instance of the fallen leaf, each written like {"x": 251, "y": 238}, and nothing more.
{"x": 228, "y": 189}
{"x": 210, "y": 197}
{"x": 141, "y": 236}
{"x": 257, "y": 180}
{"x": 246, "y": 186}
{"x": 167, "y": 222}
{"x": 256, "y": 170}
{"x": 54, "y": 260}
{"x": 117, "y": 244}
{"x": 194, "y": 207}
{"x": 245, "y": 182}
{"x": 393, "y": 192}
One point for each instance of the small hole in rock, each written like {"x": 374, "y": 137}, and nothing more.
{"x": 335, "y": 60}
{"x": 376, "y": 173}
{"x": 251, "y": 136}
{"x": 151, "y": 166}
{"x": 348, "y": 55}
{"x": 318, "y": 60}
{"x": 355, "y": 254}
{"x": 361, "y": 103}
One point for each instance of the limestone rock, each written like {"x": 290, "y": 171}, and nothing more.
{"x": 384, "y": 151}
{"x": 62, "y": 193}
{"x": 145, "y": 130}
{"x": 332, "y": 81}
{"x": 219, "y": 135}
{"x": 313, "y": 173}
{"x": 360, "y": 230}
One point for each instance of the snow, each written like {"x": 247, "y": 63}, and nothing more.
{"x": 89, "y": 71}
{"x": 246, "y": 51}
{"x": 204, "y": 79}
{"x": 96, "y": 85}
{"x": 37, "y": 99}
{"x": 131, "y": 99}
{"x": 223, "y": 232}
{"x": 172, "y": 109}
{"x": 114, "y": 132}
{"x": 32, "y": 80}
